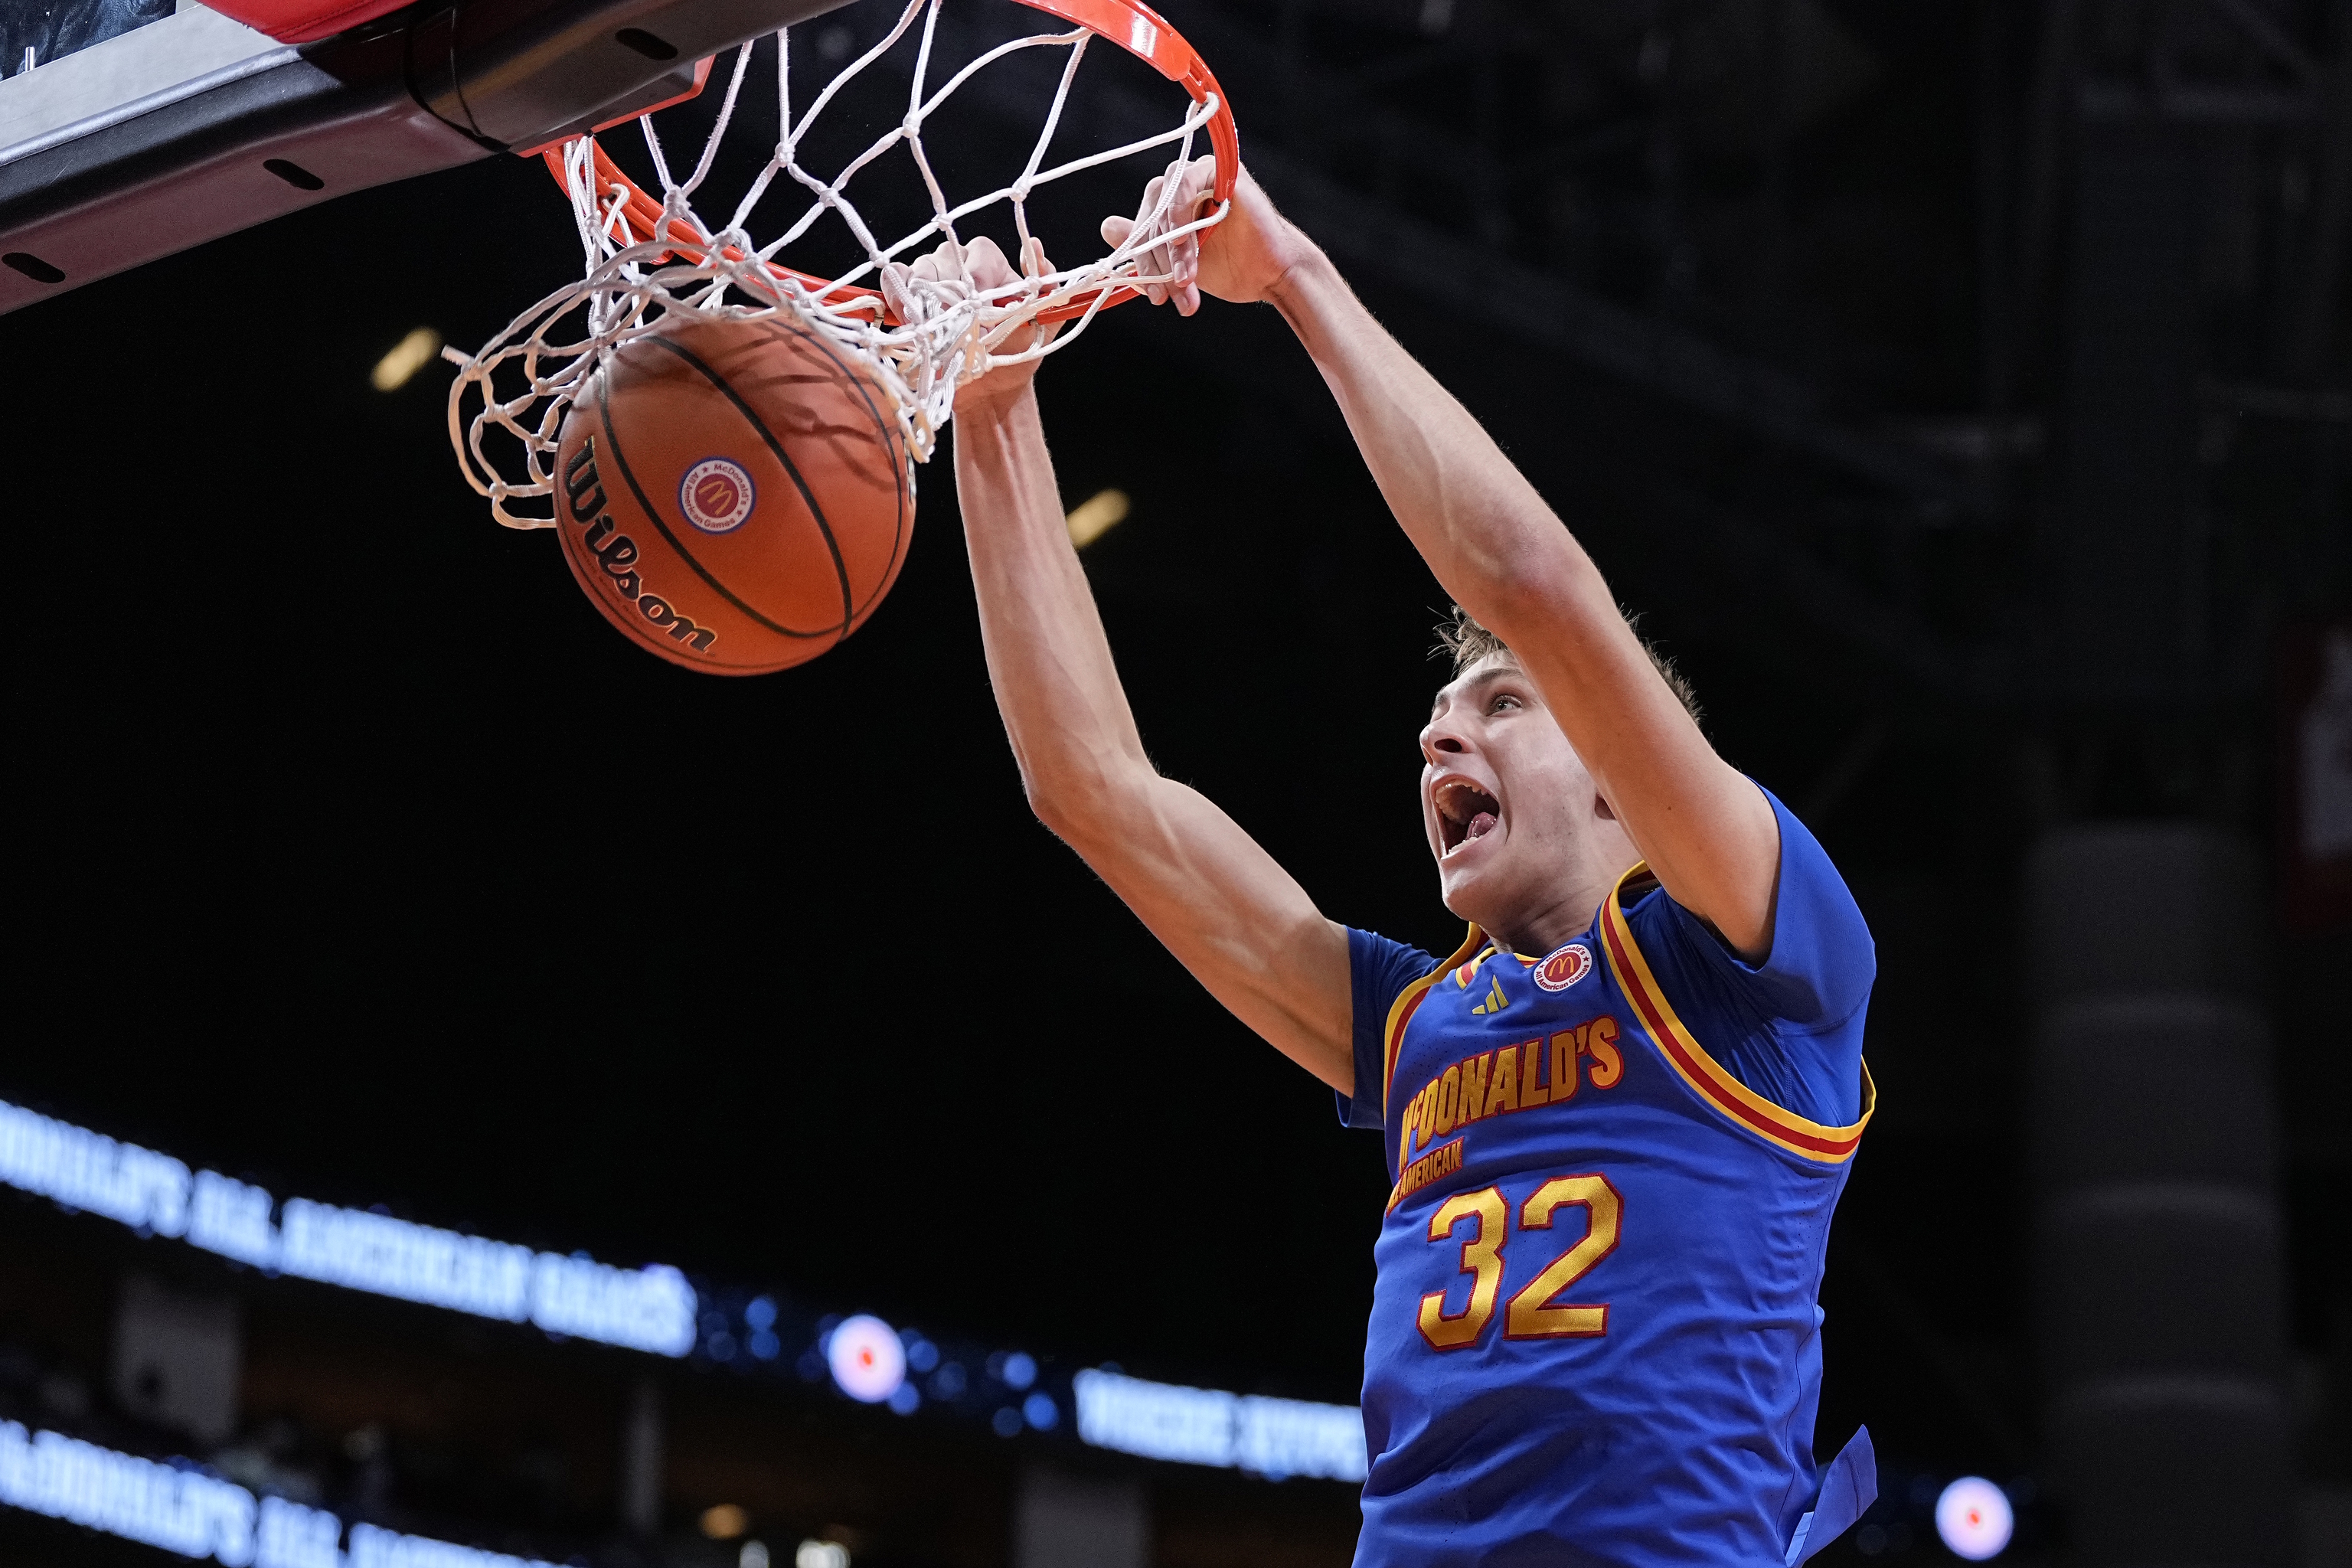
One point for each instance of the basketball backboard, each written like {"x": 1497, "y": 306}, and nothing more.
{"x": 134, "y": 129}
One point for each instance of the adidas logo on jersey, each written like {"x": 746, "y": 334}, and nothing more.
{"x": 1496, "y": 1001}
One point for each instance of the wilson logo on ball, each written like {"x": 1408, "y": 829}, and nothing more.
{"x": 1565, "y": 968}
{"x": 716, "y": 495}
{"x": 754, "y": 559}
{"x": 617, "y": 554}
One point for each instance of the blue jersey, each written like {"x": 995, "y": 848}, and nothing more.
{"x": 1594, "y": 1335}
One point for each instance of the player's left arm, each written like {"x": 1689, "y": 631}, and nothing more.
{"x": 1706, "y": 831}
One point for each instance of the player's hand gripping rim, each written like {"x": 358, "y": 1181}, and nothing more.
{"x": 1239, "y": 259}
{"x": 953, "y": 274}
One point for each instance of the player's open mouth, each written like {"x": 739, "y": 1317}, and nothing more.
{"x": 1464, "y": 813}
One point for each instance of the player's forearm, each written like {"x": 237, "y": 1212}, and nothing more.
{"x": 1507, "y": 559}
{"x": 1483, "y": 529}
{"x": 1229, "y": 914}
{"x": 1489, "y": 538}
{"x": 1048, "y": 661}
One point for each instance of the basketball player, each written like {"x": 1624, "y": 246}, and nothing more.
{"x": 1620, "y": 1115}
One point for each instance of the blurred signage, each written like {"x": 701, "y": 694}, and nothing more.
{"x": 650, "y": 1309}
{"x": 180, "y": 1511}
{"x": 198, "y": 1515}
{"x": 1274, "y": 1437}
{"x": 292, "y": 1536}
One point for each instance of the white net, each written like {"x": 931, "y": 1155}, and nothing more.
{"x": 927, "y": 340}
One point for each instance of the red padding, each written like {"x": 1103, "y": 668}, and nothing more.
{"x": 301, "y": 21}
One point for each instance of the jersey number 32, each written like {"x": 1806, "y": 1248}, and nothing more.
{"x": 1532, "y": 1313}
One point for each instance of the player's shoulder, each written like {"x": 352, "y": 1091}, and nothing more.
{"x": 1822, "y": 960}
{"x": 1807, "y": 872}
{"x": 1385, "y": 978}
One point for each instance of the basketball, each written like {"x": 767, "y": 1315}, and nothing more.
{"x": 735, "y": 495}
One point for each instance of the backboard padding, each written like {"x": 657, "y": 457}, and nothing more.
{"x": 194, "y": 126}
{"x": 116, "y": 78}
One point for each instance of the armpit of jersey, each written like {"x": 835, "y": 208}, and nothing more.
{"x": 1378, "y": 970}
{"x": 1708, "y": 1077}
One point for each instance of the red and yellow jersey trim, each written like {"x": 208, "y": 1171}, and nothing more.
{"x": 1401, "y": 1011}
{"x": 1707, "y": 1076}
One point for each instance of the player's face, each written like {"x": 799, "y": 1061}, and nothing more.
{"x": 1504, "y": 797}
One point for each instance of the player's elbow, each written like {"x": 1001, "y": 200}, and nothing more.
{"x": 1070, "y": 819}
{"x": 1085, "y": 800}
{"x": 1051, "y": 806}
{"x": 1078, "y": 801}
{"x": 1538, "y": 581}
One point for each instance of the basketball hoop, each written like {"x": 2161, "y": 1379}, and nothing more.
{"x": 648, "y": 258}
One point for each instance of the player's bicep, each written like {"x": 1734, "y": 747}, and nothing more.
{"x": 1232, "y": 916}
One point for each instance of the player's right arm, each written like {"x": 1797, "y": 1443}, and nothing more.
{"x": 1210, "y": 893}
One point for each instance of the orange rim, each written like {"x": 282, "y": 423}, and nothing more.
{"x": 1131, "y": 25}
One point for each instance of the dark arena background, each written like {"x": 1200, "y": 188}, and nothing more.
{"x": 1960, "y": 391}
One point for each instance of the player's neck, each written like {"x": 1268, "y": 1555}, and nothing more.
{"x": 1559, "y": 919}
{"x": 1559, "y": 911}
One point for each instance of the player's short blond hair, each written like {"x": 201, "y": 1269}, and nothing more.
{"x": 1462, "y": 638}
